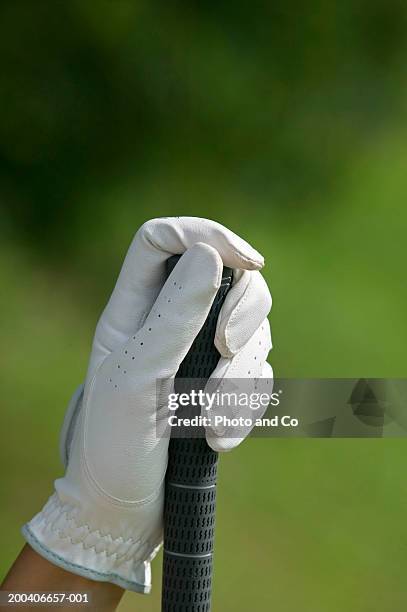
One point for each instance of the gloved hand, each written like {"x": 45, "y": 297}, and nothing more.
{"x": 104, "y": 520}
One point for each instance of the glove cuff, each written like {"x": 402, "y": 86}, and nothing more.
{"x": 58, "y": 534}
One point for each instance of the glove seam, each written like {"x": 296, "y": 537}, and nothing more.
{"x": 99, "y": 490}
{"x": 60, "y": 560}
{"x": 257, "y": 263}
{"x": 124, "y": 503}
{"x": 63, "y": 510}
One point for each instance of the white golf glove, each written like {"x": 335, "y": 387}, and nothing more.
{"x": 104, "y": 520}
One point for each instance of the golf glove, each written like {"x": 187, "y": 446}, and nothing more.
{"x": 104, "y": 520}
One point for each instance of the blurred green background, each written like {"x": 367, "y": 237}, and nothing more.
{"x": 287, "y": 123}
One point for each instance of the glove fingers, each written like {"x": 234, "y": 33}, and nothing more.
{"x": 174, "y": 235}
{"x": 177, "y": 315}
{"x": 244, "y": 374}
{"x": 249, "y": 361}
{"x": 246, "y": 305}
{"x": 143, "y": 273}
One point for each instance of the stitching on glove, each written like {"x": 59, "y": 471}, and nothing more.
{"x": 121, "y": 503}
{"x": 87, "y": 470}
{"x": 48, "y": 553}
{"x": 257, "y": 263}
{"x": 55, "y": 504}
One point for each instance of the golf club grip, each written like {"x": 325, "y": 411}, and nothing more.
{"x": 190, "y": 487}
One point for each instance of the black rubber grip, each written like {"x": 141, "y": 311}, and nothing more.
{"x": 190, "y": 486}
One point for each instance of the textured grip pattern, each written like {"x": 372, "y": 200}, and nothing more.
{"x": 190, "y": 487}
